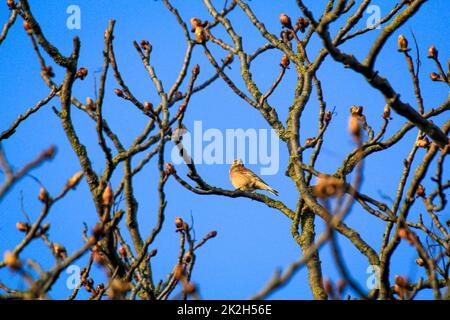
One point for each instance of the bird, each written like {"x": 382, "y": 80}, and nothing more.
{"x": 245, "y": 180}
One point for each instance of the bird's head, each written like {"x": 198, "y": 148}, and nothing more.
{"x": 237, "y": 162}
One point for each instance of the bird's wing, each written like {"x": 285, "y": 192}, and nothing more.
{"x": 251, "y": 174}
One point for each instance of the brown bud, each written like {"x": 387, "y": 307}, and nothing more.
{"x": 170, "y": 169}
{"x": 108, "y": 196}
{"x": 228, "y": 59}
{"x": 122, "y": 252}
{"x": 286, "y": 35}
{"x": 178, "y": 272}
{"x": 328, "y": 286}
{"x": 403, "y": 233}
{"x": 11, "y": 4}
{"x": 148, "y": 106}
{"x": 82, "y": 73}
{"x": 328, "y": 116}
{"x": 433, "y": 53}
{"x": 354, "y": 126}
{"x": 49, "y": 71}
{"x": 11, "y": 260}
{"x": 100, "y": 287}
{"x": 99, "y": 257}
{"x": 448, "y": 223}
{"x": 310, "y": 140}
{"x": 387, "y": 112}
{"x": 189, "y": 288}
{"x": 45, "y": 228}
{"x": 402, "y": 43}
{"x": 118, "y": 92}
{"x": 59, "y": 251}
{"x": 423, "y": 143}
{"x": 285, "y": 21}
{"x": 179, "y": 222}
{"x": 43, "y": 195}
{"x": 145, "y": 45}
{"x": 435, "y": 77}
{"x": 187, "y": 257}
{"x": 73, "y": 182}
{"x": 90, "y": 104}
{"x": 420, "y": 262}
{"x": 50, "y": 152}
{"x": 153, "y": 253}
{"x": 302, "y": 24}
{"x": 196, "y": 70}
{"x": 356, "y": 111}
{"x": 397, "y": 289}
{"x": 420, "y": 192}
{"x": 196, "y": 22}
{"x": 97, "y": 231}
{"x": 212, "y": 234}
{"x": 327, "y": 186}
{"x": 27, "y": 27}
{"x": 200, "y": 35}
{"x": 23, "y": 226}
{"x": 341, "y": 284}
{"x": 402, "y": 282}
{"x": 177, "y": 95}
{"x": 285, "y": 62}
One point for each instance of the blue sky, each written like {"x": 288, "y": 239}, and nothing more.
{"x": 252, "y": 240}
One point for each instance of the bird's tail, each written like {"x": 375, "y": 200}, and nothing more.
{"x": 273, "y": 191}
{"x": 263, "y": 186}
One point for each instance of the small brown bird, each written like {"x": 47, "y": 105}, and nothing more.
{"x": 244, "y": 179}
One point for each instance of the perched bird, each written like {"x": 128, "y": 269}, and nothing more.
{"x": 245, "y": 180}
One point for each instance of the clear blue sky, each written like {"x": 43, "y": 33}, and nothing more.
{"x": 252, "y": 240}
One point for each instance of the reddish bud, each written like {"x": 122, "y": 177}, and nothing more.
{"x": 420, "y": 192}
{"x": 11, "y": 260}
{"x": 43, "y": 195}
{"x": 11, "y": 4}
{"x": 284, "y": 63}
{"x": 402, "y": 43}
{"x": 356, "y": 111}
{"x": 49, "y": 71}
{"x": 82, "y": 73}
{"x": 73, "y": 182}
{"x": 196, "y": 70}
{"x": 118, "y": 92}
{"x": 108, "y": 196}
{"x": 228, "y": 59}
{"x": 196, "y": 22}
{"x": 328, "y": 116}
{"x": 59, "y": 251}
{"x": 285, "y": 21}
{"x": 27, "y": 27}
{"x": 179, "y": 222}
{"x": 433, "y": 53}
{"x": 423, "y": 143}
{"x": 170, "y": 169}
{"x": 435, "y": 77}
{"x": 302, "y": 24}
{"x": 122, "y": 252}
{"x": 212, "y": 234}
{"x": 153, "y": 253}
{"x": 200, "y": 35}
{"x": 23, "y": 226}
{"x": 145, "y": 45}
{"x": 354, "y": 126}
